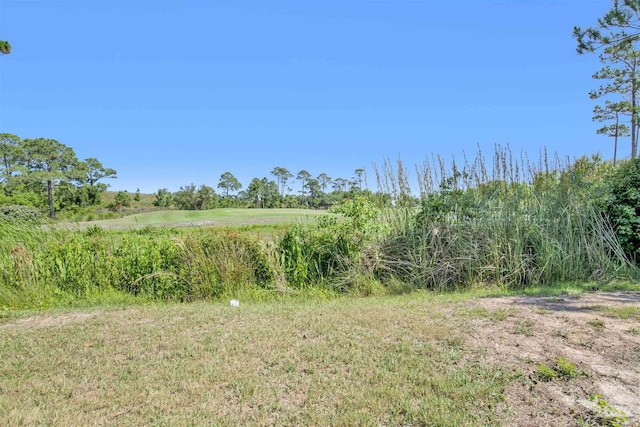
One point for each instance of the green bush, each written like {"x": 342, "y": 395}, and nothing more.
{"x": 19, "y": 214}
{"x": 623, "y": 205}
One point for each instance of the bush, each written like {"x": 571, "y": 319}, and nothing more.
{"x": 623, "y": 206}
{"x": 20, "y": 214}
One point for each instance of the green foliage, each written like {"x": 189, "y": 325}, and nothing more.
{"x": 469, "y": 231}
{"x": 565, "y": 368}
{"x": 229, "y": 183}
{"x": 315, "y": 255}
{"x": 472, "y": 231}
{"x": 608, "y": 415}
{"x": 39, "y": 267}
{"x": 19, "y": 214}
{"x": 618, "y": 27}
{"x": 121, "y": 200}
{"x": 562, "y": 368}
{"x": 5, "y": 47}
{"x": 163, "y": 198}
{"x": 43, "y": 171}
{"x": 545, "y": 373}
{"x": 623, "y": 206}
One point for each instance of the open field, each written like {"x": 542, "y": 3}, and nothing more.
{"x": 419, "y": 359}
{"x": 218, "y": 217}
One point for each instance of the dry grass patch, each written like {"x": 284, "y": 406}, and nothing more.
{"x": 347, "y": 362}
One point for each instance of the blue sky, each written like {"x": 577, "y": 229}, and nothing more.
{"x": 173, "y": 92}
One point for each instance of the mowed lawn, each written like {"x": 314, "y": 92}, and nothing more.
{"x": 376, "y": 361}
{"x": 222, "y": 217}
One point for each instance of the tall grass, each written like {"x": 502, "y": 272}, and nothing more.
{"x": 505, "y": 222}
{"x": 43, "y": 267}
{"x": 511, "y": 223}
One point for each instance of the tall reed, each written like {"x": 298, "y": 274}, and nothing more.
{"x": 511, "y": 222}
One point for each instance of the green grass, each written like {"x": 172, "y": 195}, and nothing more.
{"x": 376, "y": 361}
{"x": 221, "y": 217}
{"x": 625, "y": 312}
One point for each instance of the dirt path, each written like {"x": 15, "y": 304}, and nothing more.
{"x": 599, "y": 333}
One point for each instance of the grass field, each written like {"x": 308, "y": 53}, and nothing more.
{"x": 423, "y": 359}
{"x": 222, "y": 217}
{"x": 388, "y": 361}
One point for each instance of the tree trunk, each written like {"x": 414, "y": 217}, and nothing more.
{"x": 615, "y": 143}
{"x": 634, "y": 124}
{"x": 50, "y": 198}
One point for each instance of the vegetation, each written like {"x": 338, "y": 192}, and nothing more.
{"x": 382, "y": 361}
{"x": 516, "y": 230}
{"x": 5, "y": 47}
{"x": 616, "y": 36}
{"x": 31, "y": 169}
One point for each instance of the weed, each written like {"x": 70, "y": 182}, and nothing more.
{"x": 565, "y": 368}
{"x": 524, "y": 328}
{"x": 545, "y": 373}
{"x": 597, "y": 324}
{"x": 634, "y": 331}
{"x": 606, "y": 414}
{"x": 562, "y": 368}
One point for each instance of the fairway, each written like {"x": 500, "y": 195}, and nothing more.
{"x": 213, "y": 217}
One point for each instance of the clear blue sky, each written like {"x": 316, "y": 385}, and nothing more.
{"x": 172, "y": 92}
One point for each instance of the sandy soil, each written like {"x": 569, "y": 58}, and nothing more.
{"x": 590, "y": 330}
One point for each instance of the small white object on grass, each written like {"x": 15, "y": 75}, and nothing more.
{"x": 235, "y": 303}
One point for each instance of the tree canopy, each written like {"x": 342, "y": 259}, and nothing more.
{"x": 620, "y": 25}
{"x": 5, "y": 47}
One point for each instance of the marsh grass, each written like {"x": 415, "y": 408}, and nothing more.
{"x": 505, "y": 221}
{"x": 376, "y": 361}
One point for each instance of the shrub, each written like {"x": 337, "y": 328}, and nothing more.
{"x": 19, "y": 214}
{"x": 623, "y": 206}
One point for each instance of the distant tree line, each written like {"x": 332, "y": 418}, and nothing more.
{"x": 312, "y": 192}
{"x": 43, "y": 172}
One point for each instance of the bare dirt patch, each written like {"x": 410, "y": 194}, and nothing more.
{"x": 598, "y": 333}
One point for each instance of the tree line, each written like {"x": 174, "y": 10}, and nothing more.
{"x": 45, "y": 172}
{"x": 313, "y": 192}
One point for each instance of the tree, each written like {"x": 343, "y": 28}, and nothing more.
{"x": 121, "y": 200}
{"x": 324, "y": 180}
{"x": 314, "y": 189}
{"x": 270, "y": 193}
{"x": 87, "y": 174}
{"x": 612, "y": 111}
{"x": 163, "y": 198}
{"x": 359, "y": 173}
{"x": 340, "y": 184}
{"x": 185, "y": 197}
{"x": 620, "y": 25}
{"x": 303, "y": 176}
{"x": 623, "y": 72}
{"x": 48, "y": 161}
{"x": 5, "y": 47}
{"x": 228, "y": 183}
{"x": 136, "y": 198}
{"x": 255, "y": 190}
{"x": 205, "y": 197}
{"x": 93, "y": 171}
{"x": 10, "y": 155}
{"x": 282, "y": 175}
